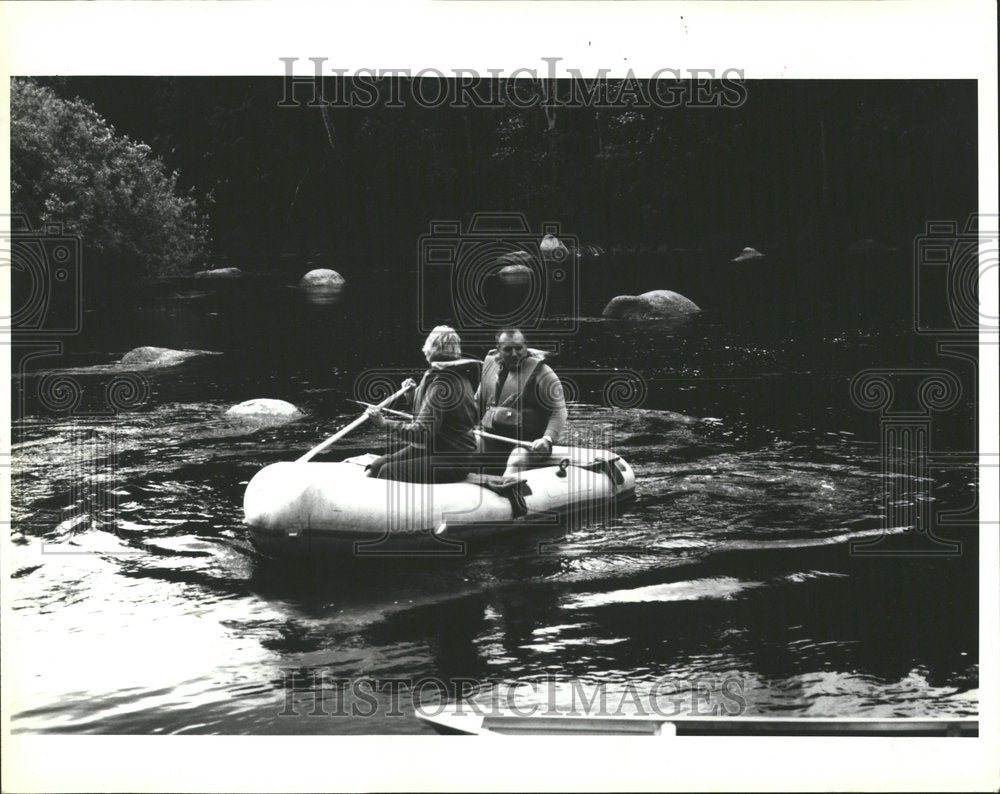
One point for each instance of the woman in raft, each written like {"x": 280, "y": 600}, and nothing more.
{"x": 440, "y": 445}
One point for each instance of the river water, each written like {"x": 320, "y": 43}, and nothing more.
{"x": 733, "y": 580}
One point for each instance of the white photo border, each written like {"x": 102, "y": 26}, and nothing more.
{"x": 767, "y": 40}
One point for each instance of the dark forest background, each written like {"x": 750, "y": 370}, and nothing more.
{"x": 801, "y": 166}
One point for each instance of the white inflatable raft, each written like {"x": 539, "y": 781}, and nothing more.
{"x": 307, "y": 508}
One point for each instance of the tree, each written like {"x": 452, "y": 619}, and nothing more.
{"x": 68, "y": 166}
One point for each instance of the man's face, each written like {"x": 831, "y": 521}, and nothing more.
{"x": 512, "y": 349}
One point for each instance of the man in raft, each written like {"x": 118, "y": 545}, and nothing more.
{"x": 440, "y": 443}
{"x": 520, "y": 397}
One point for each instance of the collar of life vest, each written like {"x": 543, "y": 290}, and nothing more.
{"x": 541, "y": 355}
{"x": 455, "y": 363}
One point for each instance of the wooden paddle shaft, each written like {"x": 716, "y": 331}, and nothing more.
{"x": 512, "y": 441}
{"x": 345, "y": 430}
{"x": 392, "y": 411}
{"x": 482, "y": 433}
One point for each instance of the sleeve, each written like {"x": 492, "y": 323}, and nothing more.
{"x": 480, "y": 401}
{"x": 549, "y": 394}
{"x": 427, "y": 421}
{"x": 486, "y": 383}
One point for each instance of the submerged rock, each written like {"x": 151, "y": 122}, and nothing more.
{"x": 151, "y": 357}
{"x": 657, "y": 304}
{"x": 221, "y": 272}
{"x": 322, "y": 277}
{"x": 747, "y": 254}
{"x": 265, "y": 407}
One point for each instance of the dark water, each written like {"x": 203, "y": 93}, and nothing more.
{"x": 139, "y": 607}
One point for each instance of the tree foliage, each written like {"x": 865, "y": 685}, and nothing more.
{"x": 69, "y": 166}
{"x": 800, "y": 164}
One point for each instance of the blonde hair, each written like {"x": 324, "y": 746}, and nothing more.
{"x": 443, "y": 342}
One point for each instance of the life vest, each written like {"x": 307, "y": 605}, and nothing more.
{"x": 508, "y": 416}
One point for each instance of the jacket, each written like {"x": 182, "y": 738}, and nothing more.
{"x": 444, "y": 408}
{"x": 533, "y": 388}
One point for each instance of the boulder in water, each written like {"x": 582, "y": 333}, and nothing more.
{"x": 516, "y": 272}
{"x": 152, "y": 357}
{"x": 658, "y": 304}
{"x": 552, "y": 247}
{"x": 221, "y": 272}
{"x": 747, "y": 254}
{"x": 322, "y": 277}
{"x": 265, "y": 407}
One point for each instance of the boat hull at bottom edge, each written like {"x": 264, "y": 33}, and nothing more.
{"x": 294, "y": 509}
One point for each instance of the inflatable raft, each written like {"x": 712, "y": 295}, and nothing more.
{"x": 309, "y": 508}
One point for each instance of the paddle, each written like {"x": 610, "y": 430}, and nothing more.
{"x": 512, "y": 441}
{"x": 344, "y": 431}
{"x": 481, "y": 433}
{"x": 402, "y": 414}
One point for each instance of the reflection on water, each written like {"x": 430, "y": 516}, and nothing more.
{"x": 323, "y": 295}
{"x": 700, "y": 589}
{"x": 139, "y": 606}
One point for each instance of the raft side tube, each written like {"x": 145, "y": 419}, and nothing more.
{"x": 334, "y": 504}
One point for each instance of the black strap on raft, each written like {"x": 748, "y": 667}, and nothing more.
{"x": 514, "y": 492}
{"x": 605, "y": 466}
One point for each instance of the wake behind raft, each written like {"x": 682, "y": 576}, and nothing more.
{"x": 304, "y": 508}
